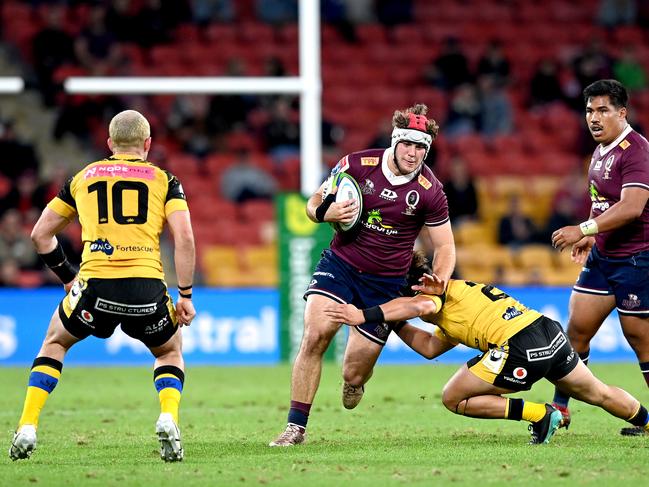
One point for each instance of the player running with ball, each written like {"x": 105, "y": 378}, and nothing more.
{"x": 367, "y": 265}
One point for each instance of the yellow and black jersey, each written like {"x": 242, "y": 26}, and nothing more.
{"x": 122, "y": 204}
{"x": 479, "y": 316}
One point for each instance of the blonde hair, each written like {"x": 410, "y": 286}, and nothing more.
{"x": 129, "y": 129}
{"x": 400, "y": 119}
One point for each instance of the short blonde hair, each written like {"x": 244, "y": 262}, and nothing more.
{"x": 129, "y": 129}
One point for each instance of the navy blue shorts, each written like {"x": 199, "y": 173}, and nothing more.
{"x": 336, "y": 279}
{"x": 627, "y": 278}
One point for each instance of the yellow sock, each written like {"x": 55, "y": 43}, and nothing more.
{"x": 533, "y": 411}
{"x": 43, "y": 378}
{"x": 168, "y": 381}
{"x": 170, "y": 402}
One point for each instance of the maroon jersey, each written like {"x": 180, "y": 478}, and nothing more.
{"x": 624, "y": 163}
{"x": 394, "y": 210}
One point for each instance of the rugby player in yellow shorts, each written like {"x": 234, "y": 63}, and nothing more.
{"x": 519, "y": 347}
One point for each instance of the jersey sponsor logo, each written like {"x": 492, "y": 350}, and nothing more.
{"x": 86, "y": 318}
{"x": 156, "y": 327}
{"x": 368, "y": 187}
{"x": 326, "y": 274}
{"x": 598, "y": 165}
{"x": 496, "y": 359}
{"x": 121, "y": 170}
{"x": 520, "y": 372}
{"x": 412, "y": 200}
{"x": 632, "y": 302}
{"x": 625, "y": 144}
{"x": 545, "y": 353}
{"x": 388, "y": 194}
{"x": 125, "y": 309}
{"x": 375, "y": 222}
{"x": 134, "y": 248}
{"x": 424, "y": 182}
{"x": 369, "y": 161}
{"x": 102, "y": 245}
{"x": 599, "y": 202}
{"x": 511, "y": 313}
{"x": 342, "y": 166}
{"x": 608, "y": 165}
{"x": 382, "y": 330}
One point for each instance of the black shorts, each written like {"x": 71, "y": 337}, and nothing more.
{"x": 141, "y": 306}
{"x": 540, "y": 350}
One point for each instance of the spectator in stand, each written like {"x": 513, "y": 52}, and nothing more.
{"x": 334, "y": 12}
{"x": 156, "y": 20}
{"x": 451, "y": 68}
{"x": 545, "y": 86}
{"x": 16, "y": 155}
{"x": 516, "y": 228}
{"x": 460, "y": 193}
{"x": 9, "y": 273}
{"x": 464, "y": 115}
{"x": 494, "y": 63}
{"x": 591, "y": 65}
{"x": 276, "y": 11}
{"x": 244, "y": 180}
{"x": 96, "y": 47}
{"x": 15, "y": 242}
{"x": 120, "y": 20}
{"x": 282, "y": 132}
{"x": 208, "y": 11}
{"x": 394, "y": 12}
{"x": 360, "y": 11}
{"x": 629, "y": 71}
{"x": 613, "y": 13}
{"x": 273, "y": 66}
{"x": 496, "y": 113}
{"x": 29, "y": 197}
{"x": 52, "y": 47}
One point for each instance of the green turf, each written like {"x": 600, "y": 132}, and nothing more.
{"x": 97, "y": 430}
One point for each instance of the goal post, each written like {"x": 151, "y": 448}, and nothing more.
{"x": 308, "y": 85}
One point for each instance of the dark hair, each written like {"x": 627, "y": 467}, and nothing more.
{"x": 615, "y": 91}
{"x": 419, "y": 265}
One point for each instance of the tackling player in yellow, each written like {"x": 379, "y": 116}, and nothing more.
{"x": 122, "y": 203}
{"x": 520, "y": 346}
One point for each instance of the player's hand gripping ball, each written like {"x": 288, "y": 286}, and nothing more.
{"x": 348, "y": 189}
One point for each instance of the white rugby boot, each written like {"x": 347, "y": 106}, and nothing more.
{"x": 23, "y": 443}
{"x": 171, "y": 448}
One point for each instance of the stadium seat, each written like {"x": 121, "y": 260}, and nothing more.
{"x": 532, "y": 256}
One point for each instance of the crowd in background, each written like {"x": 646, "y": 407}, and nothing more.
{"x": 101, "y": 43}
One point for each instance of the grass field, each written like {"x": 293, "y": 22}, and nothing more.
{"x": 97, "y": 430}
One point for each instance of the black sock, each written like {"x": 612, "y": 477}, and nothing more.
{"x": 644, "y": 368}
{"x": 515, "y": 409}
{"x": 640, "y": 418}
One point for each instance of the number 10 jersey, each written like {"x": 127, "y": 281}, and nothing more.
{"x": 122, "y": 204}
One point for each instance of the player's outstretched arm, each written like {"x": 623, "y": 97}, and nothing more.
{"x": 399, "y": 309}
{"x": 185, "y": 261}
{"x": 423, "y": 342}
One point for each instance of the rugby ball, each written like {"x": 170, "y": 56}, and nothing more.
{"x": 348, "y": 189}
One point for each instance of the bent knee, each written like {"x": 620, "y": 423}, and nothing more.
{"x": 452, "y": 402}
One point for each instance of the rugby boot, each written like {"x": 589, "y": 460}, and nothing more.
{"x": 544, "y": 429}
{"x": 24, "y": 442}
{"x": 292, "y": 435}
{"x": 634, "y": 431}
{"x": 352, "y": 395}
{"x": 171, "y": 448}
{"x": 565, "y": 412}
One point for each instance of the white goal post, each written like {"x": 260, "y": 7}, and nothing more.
{"x": 10, "y": 85}
{"x": 308, "y": 85}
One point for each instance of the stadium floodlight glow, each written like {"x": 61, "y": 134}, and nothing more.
{"x": 11, "y": 84}
{"x": 182, "y": 85}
